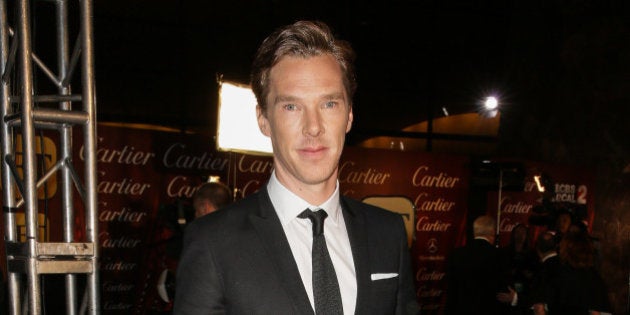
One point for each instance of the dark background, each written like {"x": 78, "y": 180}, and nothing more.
{"x": 561, "y": 68}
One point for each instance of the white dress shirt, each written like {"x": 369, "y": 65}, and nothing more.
{"x": 299, "y": 232}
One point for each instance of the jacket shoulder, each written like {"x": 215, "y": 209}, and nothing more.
{"x": 368, "y": 210}
{"x": 226, "y": 217}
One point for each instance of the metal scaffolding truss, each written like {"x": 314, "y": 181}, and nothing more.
{"x": 24, "y": 113}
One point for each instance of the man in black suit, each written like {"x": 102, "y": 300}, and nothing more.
{"x": 266, "y": 254}
{"x": 473, "y": 276}
{"x": 543, "y": 296}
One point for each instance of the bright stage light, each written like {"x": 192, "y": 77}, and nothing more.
{"x": 539, "y": 185}
{"x": 237, "y": 126}
{"x": 491, "y": 103}
{"x": 489, "y": 107}
{"x": 214, "y": 179}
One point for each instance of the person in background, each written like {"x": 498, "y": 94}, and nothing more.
{"x": 542, "y": 297}
{"x": 473, "y": 276}
{"x": 579, "y": 288}
{"x": 519, "y": 261}
{"x": 297, "y": 246}
{"x": 209, "y": 197}
{"x": 564, "y": 220}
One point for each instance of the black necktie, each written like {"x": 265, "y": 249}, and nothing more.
{"x": 325, "y": 285}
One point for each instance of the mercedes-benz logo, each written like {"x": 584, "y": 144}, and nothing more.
{"x": 432, "y": 245}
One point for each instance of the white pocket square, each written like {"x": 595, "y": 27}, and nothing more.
{"x": 381, "y": 276}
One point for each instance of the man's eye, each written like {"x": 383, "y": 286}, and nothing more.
{"x": 290, "y": 107}
{"x": 330, "y": 104}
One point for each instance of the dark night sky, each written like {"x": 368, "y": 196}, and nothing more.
{"x": 562, "y": 68}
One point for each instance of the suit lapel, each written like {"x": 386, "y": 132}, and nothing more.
{"x": 269, "y": 228}
{"x": 358, "y": 235}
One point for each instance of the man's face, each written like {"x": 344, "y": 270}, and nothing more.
{"x": 308, "y": 115}
{"x": 563, "y": 222}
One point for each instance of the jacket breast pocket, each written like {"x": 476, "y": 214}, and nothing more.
{"x": 384, "y": 285}
{"x": 383, "y": 294}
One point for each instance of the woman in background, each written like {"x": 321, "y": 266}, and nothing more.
{"x": 579, "y": 289}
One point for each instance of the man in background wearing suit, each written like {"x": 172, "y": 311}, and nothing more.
{"x": 544, "y": 281}
{"x": 297, "y": 246}
{"x": 473, "y": 276}
{"x": 210, "y": 197}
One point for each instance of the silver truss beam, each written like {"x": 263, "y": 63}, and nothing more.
{"x": 21, "y": 116}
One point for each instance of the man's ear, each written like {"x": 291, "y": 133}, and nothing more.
{"x": 263, "y": 123}
{"x": 350, "y": 119}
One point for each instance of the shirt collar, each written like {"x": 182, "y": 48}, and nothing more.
{"x": 549, "y": 256}
{"x": 288, "y": 205}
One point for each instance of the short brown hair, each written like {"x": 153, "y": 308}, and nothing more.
{"x": 304, "y": 39}
{"x": 218, "y": 194}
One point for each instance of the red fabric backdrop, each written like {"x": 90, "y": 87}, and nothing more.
{"x": 147, "y": 176}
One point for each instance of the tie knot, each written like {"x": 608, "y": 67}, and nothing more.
{"x": 317, "y": 218}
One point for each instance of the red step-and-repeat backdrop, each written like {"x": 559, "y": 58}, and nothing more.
{"x": 146, "y": 177}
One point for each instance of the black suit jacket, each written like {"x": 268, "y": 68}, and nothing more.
{"x": 543, "y": 285}
{"x": 238, "y": 261}
{"x": 473, "y": 279}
